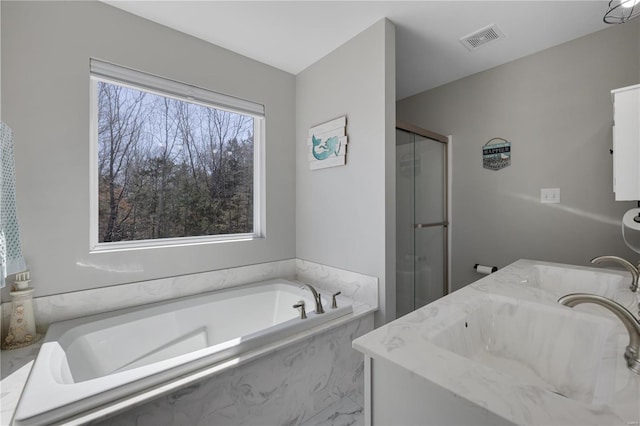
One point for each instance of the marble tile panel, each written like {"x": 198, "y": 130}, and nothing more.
{"x": 16, "y": 364}
{"x": 358, "y": 287}
{"x": 342, "y": 413}
{"x": 286, "y": 387}
{"x": 50, "y": 309}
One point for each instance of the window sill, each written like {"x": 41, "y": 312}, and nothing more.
{"x": 171, "y": 242}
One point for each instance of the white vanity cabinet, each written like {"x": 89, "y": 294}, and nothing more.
{"x": 503, "y": 351}
{"x": 626, "y": 143}
{"x": 397, "y": 396}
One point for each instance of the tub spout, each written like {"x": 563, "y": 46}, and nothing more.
{"x": 632, "y": 353}
{"x": 635, "y": 274}
{"x": 316, "y": 297}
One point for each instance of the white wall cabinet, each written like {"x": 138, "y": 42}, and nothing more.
{"x": 626, "y": 143}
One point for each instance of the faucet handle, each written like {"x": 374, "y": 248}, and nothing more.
{"x": 303, "y": 312}
{"x": 334, "y": 304}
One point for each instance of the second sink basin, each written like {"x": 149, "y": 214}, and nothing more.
{"x": 559, "y": 281}
{"x": 574, "y": 280}
{"x": 555, "y": 348}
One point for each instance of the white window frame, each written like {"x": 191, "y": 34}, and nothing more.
{"x": 101, "y": 71}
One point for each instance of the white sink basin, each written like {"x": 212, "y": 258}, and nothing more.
{"x": 555, "y": 348}
{"x": 563, "y": 280}
{"x": 559, "y": 281}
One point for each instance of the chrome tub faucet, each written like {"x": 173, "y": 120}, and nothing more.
{"x": 317, "y": 297}
{"x": 635, "y": 273}
{"x": 632, "y": 353}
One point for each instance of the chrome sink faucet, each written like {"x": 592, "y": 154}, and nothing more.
{"x": 635, "y": 273}
{"x": 317, "y": 297}
{"x": 632, "y": 353}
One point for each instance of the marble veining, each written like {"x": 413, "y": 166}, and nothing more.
{"x": 362, "y": 289}
{"x": 59, "y": 307}
{"x": 345, "y": 412}
{"x": 288, "y": 387}
{"x": 355, "y": 286}
{"x": 409, "y": 343}
{"x": 15, "y": 367}
{"x": 16, "y": 364}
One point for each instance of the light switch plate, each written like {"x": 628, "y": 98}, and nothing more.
{"x": 549, "y": 195}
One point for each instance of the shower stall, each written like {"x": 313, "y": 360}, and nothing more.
{"x": 422, "y": 217}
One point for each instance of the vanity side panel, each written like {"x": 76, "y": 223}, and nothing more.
{"x": 399, "y": 397}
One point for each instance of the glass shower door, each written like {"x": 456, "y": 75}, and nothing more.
{"x": 405, "y": 218}
{"x": 422, "y": 224}
{"x": 430, "y": 223}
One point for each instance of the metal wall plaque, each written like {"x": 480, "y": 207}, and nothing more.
{"x": 496, "y": 154}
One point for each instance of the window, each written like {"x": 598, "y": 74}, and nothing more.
{"x": 172, "y": 163}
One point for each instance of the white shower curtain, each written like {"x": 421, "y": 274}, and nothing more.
{"x": 11, "y": 260}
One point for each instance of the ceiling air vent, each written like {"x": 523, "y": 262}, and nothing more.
{"x": 481, "y": 37}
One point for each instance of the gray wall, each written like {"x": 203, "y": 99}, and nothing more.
{"x": 343, "y": 213}
{"x": 555, "y": 108}
{"x": 46, "y": 48}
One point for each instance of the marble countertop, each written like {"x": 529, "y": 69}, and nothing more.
{"x": 15, "y": 366}
{"x": 407, "y": 342}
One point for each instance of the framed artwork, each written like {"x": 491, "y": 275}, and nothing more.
{"x": 327, "y": 144}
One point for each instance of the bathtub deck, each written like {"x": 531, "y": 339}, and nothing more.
{"x": 16, "y": 364}
{"x": 344, "y": 412}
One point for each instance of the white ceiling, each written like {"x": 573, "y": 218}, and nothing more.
{"x": 291, "y": 35}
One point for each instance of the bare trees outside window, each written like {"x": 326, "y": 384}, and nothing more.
{"x": 170, "y": 168}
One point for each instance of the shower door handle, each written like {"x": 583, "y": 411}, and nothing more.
{"x": 430, "y": 225}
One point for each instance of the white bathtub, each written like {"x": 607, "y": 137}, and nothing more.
{"x": 87, "y": 362}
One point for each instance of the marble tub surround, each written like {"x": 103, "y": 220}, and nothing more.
{"x": 345, "y": 412}
{"x": 361, "y": 289}
{"x": 60, "y": 307}
{"x": 333, "y": 372}
{"x": 90, "y": 362}
{"x": 446, "y": 345}
{"x": 289, "y": 386}
{"x": 16, "y": 364}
